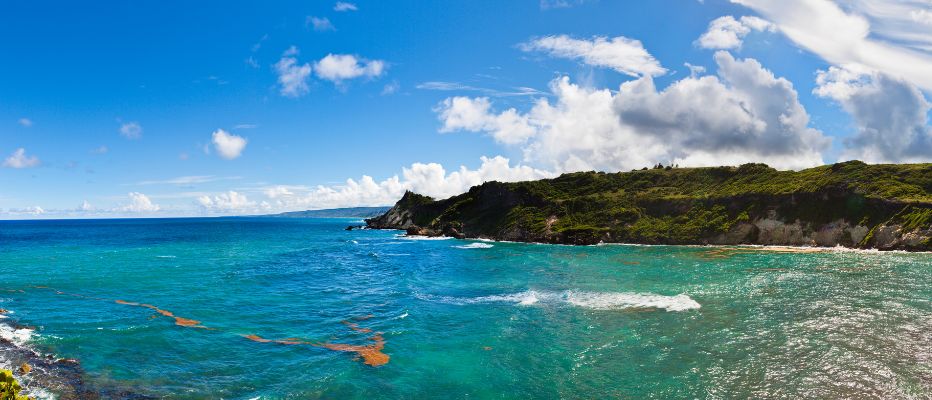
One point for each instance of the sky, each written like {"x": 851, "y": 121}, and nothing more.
{"x": 177, "y": 108}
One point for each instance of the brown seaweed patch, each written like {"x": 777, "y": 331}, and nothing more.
{"x": 257, "y": 338}
{"x": 371, "y": 354}
{"x": 288, "y": 341}
{"x": 180, "y": 321}
{"x": 355, "y": 327}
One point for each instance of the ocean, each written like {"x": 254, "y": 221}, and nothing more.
{"x": 245, "y": 308}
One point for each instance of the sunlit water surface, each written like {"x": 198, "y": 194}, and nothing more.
{"x": 296, "y": 308}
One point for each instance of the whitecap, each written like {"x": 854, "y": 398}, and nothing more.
{"x": 582, "y": 299}
{"x": 418, "y": 237}
{"x": 18, "y": 336}
{"x": 165, "y": 257}
{"x": 475, "y": 246}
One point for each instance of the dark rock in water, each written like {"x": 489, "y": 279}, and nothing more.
{"x": 62, "y": 377}
{"x": 349, "y": 228}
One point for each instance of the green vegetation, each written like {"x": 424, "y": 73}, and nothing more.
{"x": 682, "y": 205}
{"x": 9, "y": 387}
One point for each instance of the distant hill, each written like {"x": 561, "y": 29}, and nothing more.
{"x": 350, "y": 212}
{"x": 851, "y": 204}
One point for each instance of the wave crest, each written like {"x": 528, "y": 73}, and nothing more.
{"x": 475, "y": 246}
{"x": 583, "y": 299}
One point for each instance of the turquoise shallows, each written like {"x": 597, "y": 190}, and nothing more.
{"x": 460, "y": 319}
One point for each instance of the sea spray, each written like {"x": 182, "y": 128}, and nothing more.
{"x": 576, "y": 298}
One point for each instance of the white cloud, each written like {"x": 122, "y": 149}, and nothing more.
{"x": 228, "y": 145}
{"x": 86, "y": 206}
{"x": 468, "y": 114}
{"x": 921, "y": 16}
{"x": 743, "y": 115}
{"x": 339, "y": 67}
{"x": 456, "y": 86}
{"x": 430, "y": 179}
{"x": 391, "y": 88}
{"x": 319, "y": 24}
{"x": 552, "y": 4}
{"x": 889, "y": 36}
{"x": 188, "y": 180}
{"x": 622, "y": 54}
{"x": 139, "y": 203}
{"x": 131, "y": 130}
{"x": 25, "y": 122}
{"x": 891, "y": 114}
{"x": 19, "y": 159}
{"x": 34, "y": 210}
{"x": 100, "y": 150}
{"x": 292, "y": 77}
{"x": 229, "y": 202}
{"x": 342, "y": 6}
{"x": 728, "y": 33}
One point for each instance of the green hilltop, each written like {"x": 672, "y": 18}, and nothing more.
{"x": 850, "y": 204}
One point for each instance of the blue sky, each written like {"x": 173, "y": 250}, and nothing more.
{"x": 145, "y": 108}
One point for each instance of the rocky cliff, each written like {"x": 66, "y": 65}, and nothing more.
{"x": 851, "y": 204}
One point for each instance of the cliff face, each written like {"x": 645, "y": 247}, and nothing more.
{"x": 850, "y": 204}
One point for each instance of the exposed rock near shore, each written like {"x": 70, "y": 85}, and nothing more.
{"x": 851, "y": 204}
{"x": 60, "y": 378}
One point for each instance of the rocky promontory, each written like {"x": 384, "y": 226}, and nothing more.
{"x": 850, "y": 204}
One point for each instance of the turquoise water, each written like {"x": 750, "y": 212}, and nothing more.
{"x": 459, "y": 319}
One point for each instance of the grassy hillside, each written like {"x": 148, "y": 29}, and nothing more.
{"x": 679, "y": 205}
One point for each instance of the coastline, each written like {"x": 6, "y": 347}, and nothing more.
{"x": 743, "y": 246}
{"x": 48, "y": 376}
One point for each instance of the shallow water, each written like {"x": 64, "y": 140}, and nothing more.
{"x": 300, "y": 308}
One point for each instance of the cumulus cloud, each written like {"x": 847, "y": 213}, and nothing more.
{"x": 19, "y": 159}
{"x": 25, "y": 122}
{"x": 745, "y": 114}
{"x": 131, "y": 130}
{"x": 230, "y": 202}
{"x": 728, "y": 33}
{"x": 884, "y": 35}
{"x": 622, "y": 54}
{"x": 319, "y": 24}
{"x": 891, "y": 114}
{"x": 474, "y": 114}
{"x": 340, "y": 67}
{"x": 292, "y": 77}
{"x": 342, "y": 6}
{"x": 431, "y": 179}
{"x": 228, "y": 146}
{"x": 139, "y": 203}
{"x": 86, "y": 206}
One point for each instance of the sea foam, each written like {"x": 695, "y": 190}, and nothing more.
{"x": 583, "y": 299}
{"x": 475, "y": 246}
{"x": 18, "y": 336}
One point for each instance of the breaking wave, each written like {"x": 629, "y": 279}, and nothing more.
{"x": 590, "y": 300}
{"x": 475, "y": 246}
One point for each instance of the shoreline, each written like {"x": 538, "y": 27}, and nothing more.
{"x": 763, "y": 247}
{"x": 49, "y": 376}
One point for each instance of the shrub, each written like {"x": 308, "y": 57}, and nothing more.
{"x": 9, "y": 387}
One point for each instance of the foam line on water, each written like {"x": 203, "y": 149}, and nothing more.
{"x": 416, "y": 237}
{"x": 582, "y": 299}
{"x": 475, "y": 246}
